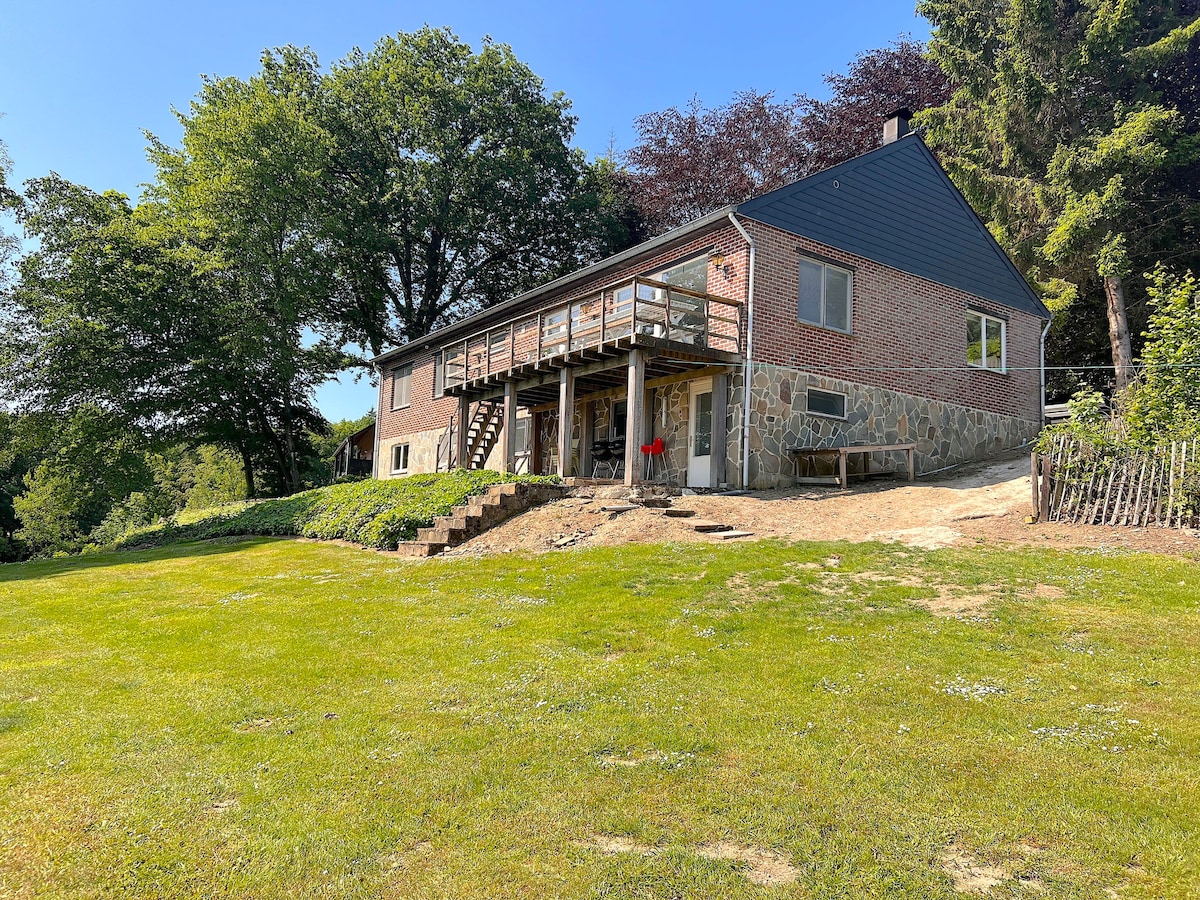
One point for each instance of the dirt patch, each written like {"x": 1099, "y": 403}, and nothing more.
{"x": 612, "y": 760}
{"x": 254, "y": 725}
{"x": 759, "y": 866}
{"x": 967, "y": 874}
{"x": 1048, "y": 592}
{"x": 951, "y": 604}
{"x": 223, "y": 805}
{"x": 611, "y": 844}
{"x": 984, "y": 503}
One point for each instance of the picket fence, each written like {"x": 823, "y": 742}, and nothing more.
{"x": 1080, "y": 483}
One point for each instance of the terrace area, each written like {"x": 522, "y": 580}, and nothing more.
{"x": 622, "y": 338}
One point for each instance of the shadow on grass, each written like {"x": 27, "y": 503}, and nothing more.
{"x": 71, "y": 565}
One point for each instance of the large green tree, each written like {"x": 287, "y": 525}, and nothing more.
{"x": 451, "y": 181}
{"x": 1073, "y": 131}
{"x": 138, "y": 312}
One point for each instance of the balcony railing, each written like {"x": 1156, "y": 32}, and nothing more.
{"x": 638, "y": 307}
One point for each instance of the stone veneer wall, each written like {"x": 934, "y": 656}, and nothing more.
{"x": 422, "y": 453}
{"x": 945, "y": 433}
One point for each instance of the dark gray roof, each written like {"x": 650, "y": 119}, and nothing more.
{"x": 896, "y": 205}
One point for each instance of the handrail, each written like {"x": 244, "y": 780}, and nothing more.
{"x": 558, "y": 332}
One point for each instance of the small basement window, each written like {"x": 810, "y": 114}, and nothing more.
{"x": 826, "y": 403}
{"x": 826, "y": 295}
{"x": 400, "y": 458}
{"x": 401, "y": 387}
{"x": 985, "y": 342}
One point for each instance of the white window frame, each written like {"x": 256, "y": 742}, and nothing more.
{"x": 403, "y": 451}
{"x": 439, "y": 373}
{"x": 825, "y": 267}
{"x": 405, "y": 371}
{"x": 823, "y": 415}
{"x": 984, "y": 318}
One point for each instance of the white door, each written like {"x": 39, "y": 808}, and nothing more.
{"x": 700, "y": 434}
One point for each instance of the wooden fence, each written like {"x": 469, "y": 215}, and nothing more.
{"x": 1083, "y": 484}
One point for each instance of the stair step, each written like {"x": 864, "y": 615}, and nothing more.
{"x": 705, "y": 526}
{"x": 730, "y": 535}
{"x": 420, "y": 549}
{"x": 672, "y": 512}
{"x": 618, "y": 508}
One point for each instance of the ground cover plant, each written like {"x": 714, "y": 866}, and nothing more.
{"x": 270, "y": 718}
{"x": 374, "y": 513}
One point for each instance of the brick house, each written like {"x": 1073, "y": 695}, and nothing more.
{"x": 863, "y": 305}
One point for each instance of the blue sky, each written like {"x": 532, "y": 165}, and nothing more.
{"x": 79, "y": 82}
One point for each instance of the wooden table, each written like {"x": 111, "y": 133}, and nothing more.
{"x": 843, "y": 453}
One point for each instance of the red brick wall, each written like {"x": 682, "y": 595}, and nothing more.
{"x": 900, "y": 323}
{"x": 907, "y": 334}
{"x": 427, "y": 413}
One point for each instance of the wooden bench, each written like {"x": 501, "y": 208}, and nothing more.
{"x": 843, "y": 453}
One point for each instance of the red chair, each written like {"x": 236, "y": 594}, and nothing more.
{"x": 654, "y": 454}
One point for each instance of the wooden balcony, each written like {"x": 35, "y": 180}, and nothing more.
{"x": 671, "y": 321}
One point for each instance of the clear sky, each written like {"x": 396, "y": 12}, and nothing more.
{"x": 79, "y": 82}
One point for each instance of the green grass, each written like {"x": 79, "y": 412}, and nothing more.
{"x": 371, "y": 512}
{"x": 268, "y": 718}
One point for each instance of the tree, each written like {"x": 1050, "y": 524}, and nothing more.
{"x": 133, "y": 310}
{"x": 93, "y": 463}
{"x": 451, "y": 184}
{"x": 877, "y": 84}
{"x": 689, "y": 162}
{"x": 1164, "y": 401}
{"x": 1073, "y": 132}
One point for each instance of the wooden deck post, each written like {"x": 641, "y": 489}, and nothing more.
{"x": 566, "y": 419}
{"x": 587, "y": 430}
{"x": 460, "y": 434}
{"x": 636, "y": 421}
{"x": 510, "y": 426}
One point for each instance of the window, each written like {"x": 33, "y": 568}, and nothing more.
{"x": 400, "y": 458}
{"x": 826, "y": 403}
{"x": 692, "y": 274}
{"x": 401, "y": 387}
{"x": 439, "y": 371}
{"x": 620, "y": 419}
{"x": 826, "y": 294}
{"x": 985, "y": 342}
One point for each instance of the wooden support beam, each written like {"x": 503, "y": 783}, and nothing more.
{"x": 460, "y": 433}
{"x": 566, "y": 419}
{"x": 635, "y": 429}
{"x": 510, "y": 426}
{"x": 587, "y": 427}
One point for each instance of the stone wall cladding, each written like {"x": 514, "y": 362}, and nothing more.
{"x": 907, "y": 334}
{"x": 422, "y": 453}
{"x": 946, "y": 434}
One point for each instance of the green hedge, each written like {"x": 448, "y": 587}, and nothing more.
{"x": 373, "y": 513}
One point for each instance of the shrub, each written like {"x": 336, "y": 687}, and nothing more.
{"x": 373, "y": 513}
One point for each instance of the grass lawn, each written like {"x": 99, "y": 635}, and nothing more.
{"x": 272, "y": 718}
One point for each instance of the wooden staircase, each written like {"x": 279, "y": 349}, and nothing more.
{"x": 501, "y": 502}
{"x": 483, "y": 431}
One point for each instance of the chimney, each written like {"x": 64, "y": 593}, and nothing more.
{"x": 896, "y": 125}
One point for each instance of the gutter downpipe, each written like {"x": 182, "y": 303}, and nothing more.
{"x": 750, "y": 355}
{"x": 1045, "y": 331}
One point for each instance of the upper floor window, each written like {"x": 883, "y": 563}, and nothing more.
{"x": 691, "y": 274}
{"x": 985, "y": 342}
{"x": 826, "y": 295}
{"x": 439, "y": 374}
{"x": 401, "y": 387}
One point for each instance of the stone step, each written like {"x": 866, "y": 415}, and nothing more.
{"x": 731, "y": 535}
{"x": 704, "y": 526}
{"x": 618, "y": 507}
{"x": 674, "y": 512}
{"x": 420, "y": 549}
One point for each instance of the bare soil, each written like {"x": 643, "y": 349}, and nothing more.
{"x": 984, "y": 503}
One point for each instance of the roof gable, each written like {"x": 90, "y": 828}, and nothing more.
{"x": 897, "y": 206}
